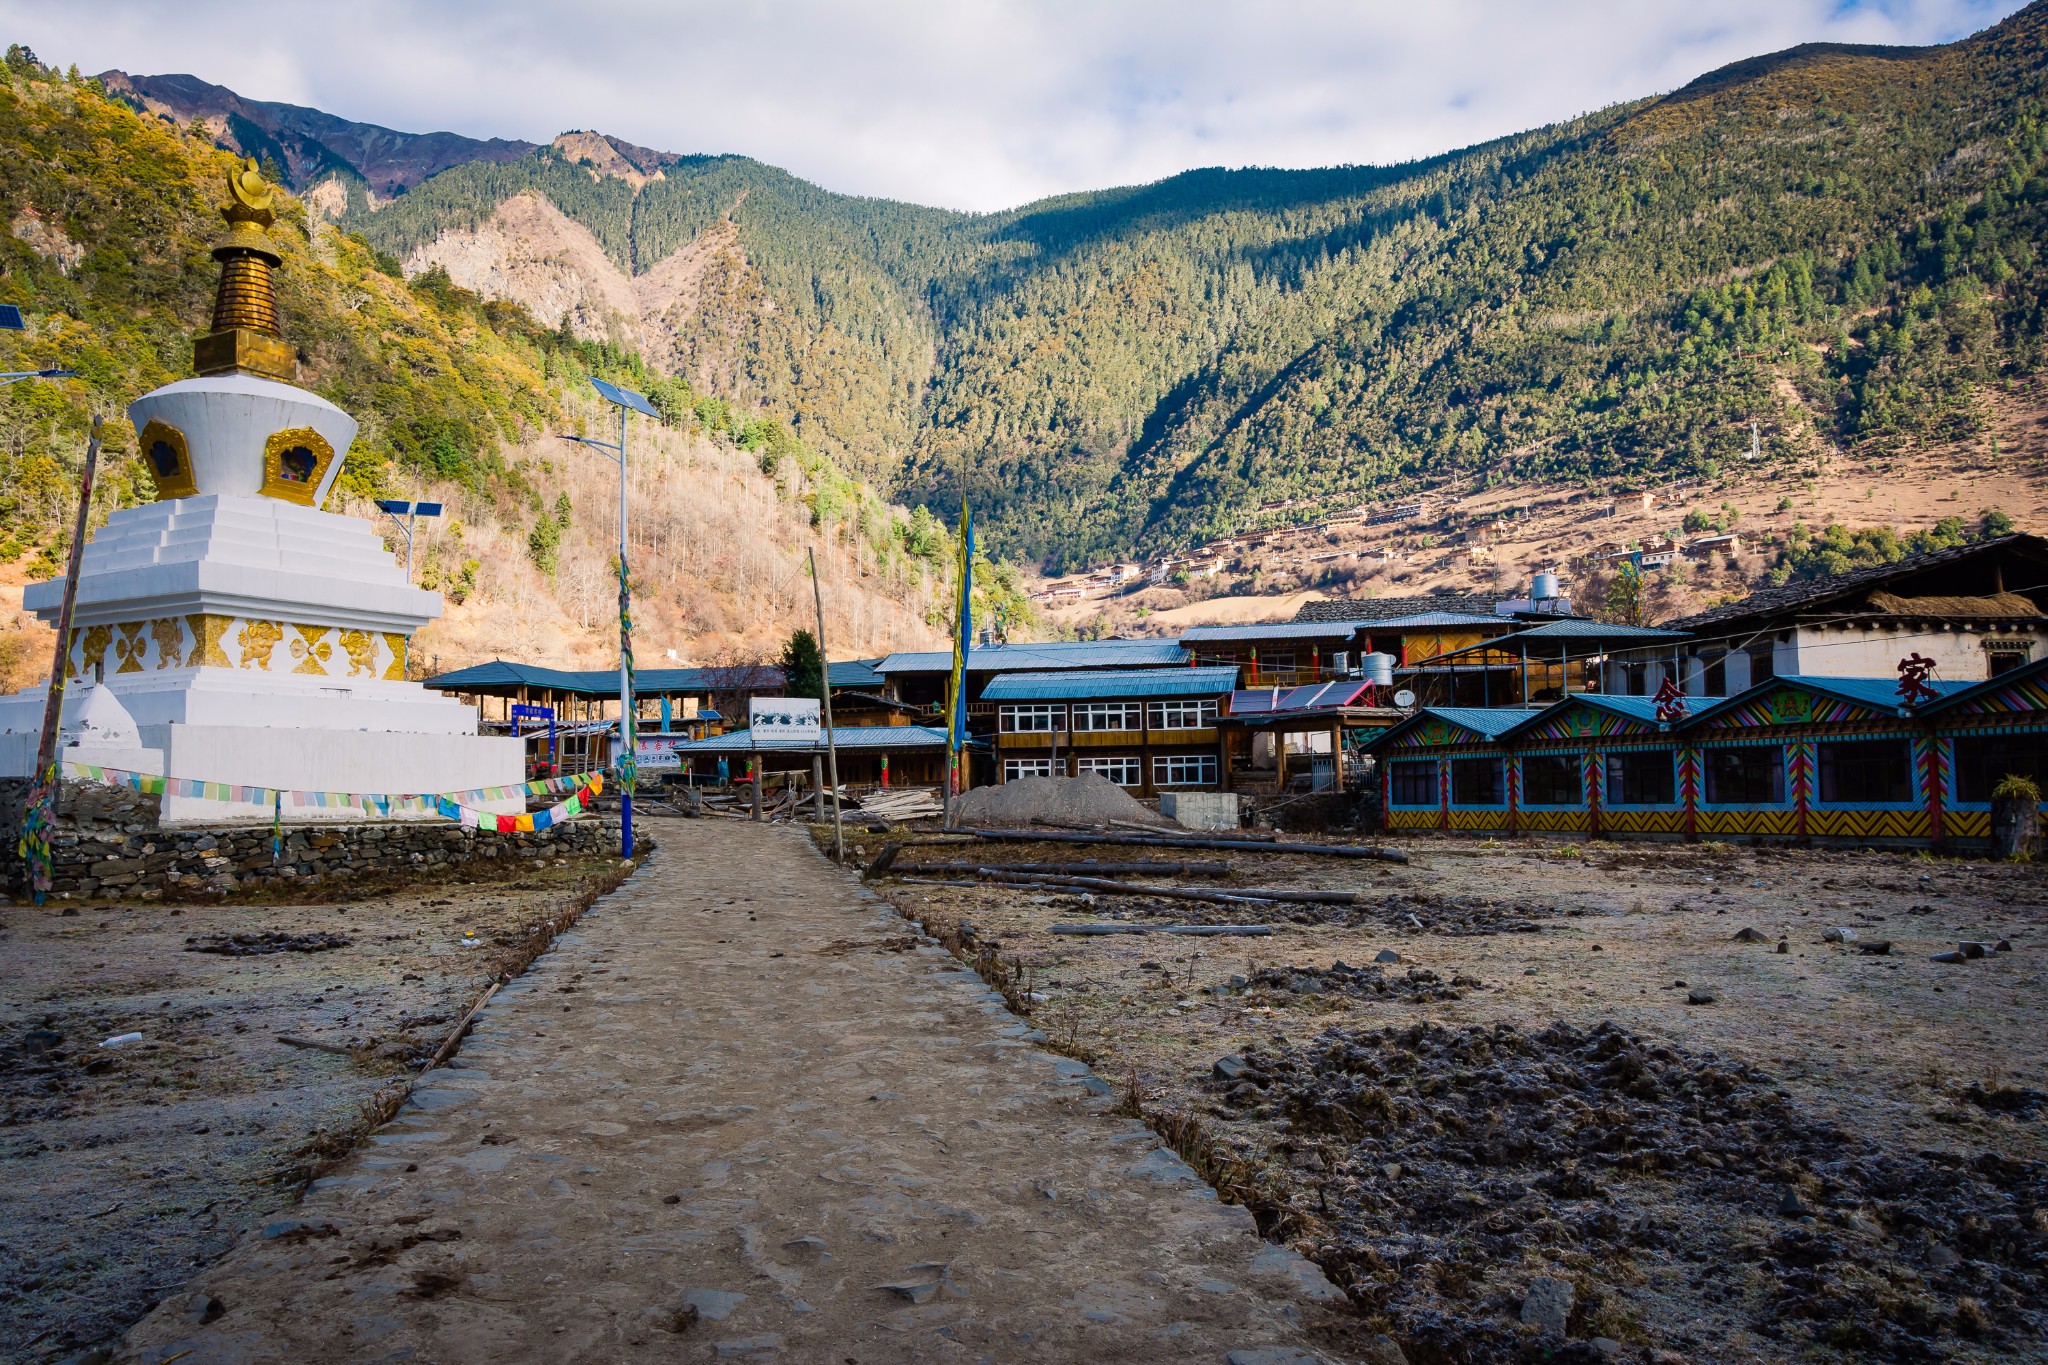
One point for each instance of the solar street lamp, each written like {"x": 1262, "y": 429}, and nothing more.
{"x": 11, "y": 321}
{"x": 624, "y": 400}
{"x": 398, "y": 507}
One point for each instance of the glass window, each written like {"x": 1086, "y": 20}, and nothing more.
{"x": 1714, "y": 677}
{"x": 1763, "y": 662}
{"x": 1982, "y": 760}
{"x": 1750, "y": 776}
{"x": 2004, "y": 656}
{"x": 1550, "y": 780}
{"x": 1014, "y": 768}
{"x": 1412, "y": 783}
{"x": 1477, "y": 782}
{"x": 1640, "y": 778}
{"x": 1105, "y": 715}
{"x": 1035, "y": 718}
{"x": 1184, "y": 770}
{"x": 1866, "y": 770}
{"x": 1125, "y": 772}
{"x": 1182, "y": 715}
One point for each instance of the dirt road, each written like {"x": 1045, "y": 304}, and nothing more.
{"x": 742, "y": 1113}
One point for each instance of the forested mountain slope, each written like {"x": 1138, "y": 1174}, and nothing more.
{"x": 1842, "y": 244}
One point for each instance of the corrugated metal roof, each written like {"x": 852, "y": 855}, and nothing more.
{"x": 1050, "y": 656}
{"x": 1970, "y": 691}
{"x": 1882, "y": 693}
{"x": 596, "y": 682}
{"x": 1377, "y": 609}
{"x": 1432, "y": 620}
{"x": 1272, "y": 630}
{"x": 855, "y": 673}
{"x": 867, "y": 737}
{"x": 1490, "y": 721}
{"x": 1595, "y": 630}
{"x": 1150, "y": 682}
{"x": 604, "y": 682}
{"x": 1256, "y": 701}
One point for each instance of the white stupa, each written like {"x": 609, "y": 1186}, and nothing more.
{"x": 250, "y": 637}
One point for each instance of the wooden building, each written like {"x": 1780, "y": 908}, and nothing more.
{"x": 1818, "y": 760}
{"x": 1147, "y": 730}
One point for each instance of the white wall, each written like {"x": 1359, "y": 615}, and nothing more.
{"x": 1875, "y": 653}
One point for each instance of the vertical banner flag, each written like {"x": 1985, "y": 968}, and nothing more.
{"x": 963, "y": 639}
{"x": 628, "y": 763}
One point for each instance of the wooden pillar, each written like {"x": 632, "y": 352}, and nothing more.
{"x": 818, "y": 787}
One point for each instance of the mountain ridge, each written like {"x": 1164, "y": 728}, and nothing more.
{"x": 1834, "y": 240}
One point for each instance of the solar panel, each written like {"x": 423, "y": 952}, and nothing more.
{"x": 10, "y": 319}
{"x": 396, "y": 509}
{"x": 427, "y": 509}
{"x": 625, "y": 398}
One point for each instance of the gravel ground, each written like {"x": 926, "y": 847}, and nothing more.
{"x": 1085, "y": 800}
{"x": 128, "y": 1167}
{"x": 1716, "y": 1150}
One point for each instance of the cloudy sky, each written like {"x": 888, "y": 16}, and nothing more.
{"x": 976, "y": 104}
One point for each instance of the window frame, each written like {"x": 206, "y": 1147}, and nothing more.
{"x": 1394, "y": 783}
{"x": 1204, "y": 710}
{"x": 1097, "y": 763}
{"x": 1708, "y": 795}
{"x": 1577, "y": 784}
{"x": 1086, "y": 713}
{"x": 1499, "y": 784}
{"x": 1614, "y": 763}
{"x": 1011, "y": 711}
{"x": 1961, "y": 765}
{"x": 1040, "y": 767}
{"x": 1827, "y": 773}
{"x": 1205, "y": 768}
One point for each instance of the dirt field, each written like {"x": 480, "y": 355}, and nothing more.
{"x": 130, "y": 1166}
{"x": 1716, "y": 1149}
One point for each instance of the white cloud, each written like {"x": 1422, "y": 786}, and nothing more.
{"x": 971, "y": 103}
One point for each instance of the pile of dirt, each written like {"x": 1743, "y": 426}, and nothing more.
{"x": 1371, "y": 982}
{"x": 1083, "y": 800}
{"x": 269, "y": 941}
{"x": 1436, "y": 1165}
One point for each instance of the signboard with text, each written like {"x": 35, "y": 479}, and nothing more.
{"x": 657, "y": 753}
{"x": 786, "y": 720}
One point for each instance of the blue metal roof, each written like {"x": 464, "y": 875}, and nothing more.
{"x": 1878, "y": 694}
{"x": 604, "y": 682}
{"x": 1489, "y": 722}
{"x": 1273, "y": 630}
{"x": 865, "y": 737}
{"x": 855, "y": 673}
{"x": 1965, "y": 692}
{"x": 1056, "y": 654}
{"x": 1147, "y": 682}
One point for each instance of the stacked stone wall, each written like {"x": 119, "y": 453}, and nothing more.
{"x": 108, "y": 845}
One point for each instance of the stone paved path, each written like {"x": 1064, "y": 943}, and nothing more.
{"x": 725, "y": 1119}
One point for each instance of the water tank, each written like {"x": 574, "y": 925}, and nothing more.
{"x": 1377, "y": 669}
{"x": 1545, "y": 586}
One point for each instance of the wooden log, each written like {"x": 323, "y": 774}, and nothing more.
{"x": 1247, "y": 893}
{"x": 1108, "y": 888}
{"x": 1389, "y": 855}
{"x": 1190, "y": 930}
{"x": 1087, "y": 868}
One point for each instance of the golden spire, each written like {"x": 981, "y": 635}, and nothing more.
{"x": 246, "y": 338}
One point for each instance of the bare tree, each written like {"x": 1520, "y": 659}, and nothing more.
{"x": 736, "y": 674}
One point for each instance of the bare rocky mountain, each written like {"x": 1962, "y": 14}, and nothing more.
{"x": 305, "y": 143}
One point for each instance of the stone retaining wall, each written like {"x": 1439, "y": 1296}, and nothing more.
{"x": 108, "y": 845}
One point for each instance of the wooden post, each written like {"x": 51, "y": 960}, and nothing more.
{"x": 831, "y": 744}
{"x": 754, "y": 767}
{"x": 818, "y": 788}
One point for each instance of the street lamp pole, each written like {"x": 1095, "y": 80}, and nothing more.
{"x": 622, "y": 399}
